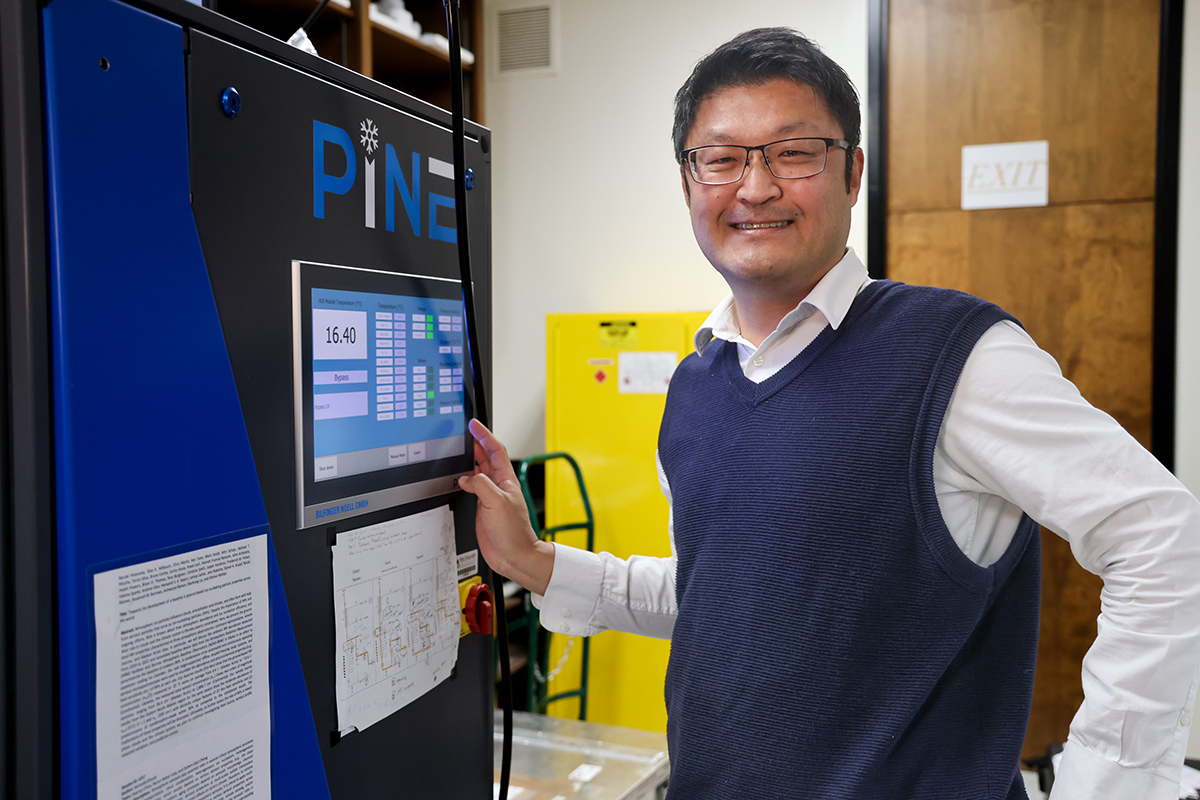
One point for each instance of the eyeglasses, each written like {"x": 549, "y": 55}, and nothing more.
{"x": 787, "y": 159}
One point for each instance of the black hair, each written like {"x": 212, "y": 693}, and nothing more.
{"x": 762, "y": 55}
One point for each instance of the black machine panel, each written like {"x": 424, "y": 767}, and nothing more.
{"x": 310, "y": 171}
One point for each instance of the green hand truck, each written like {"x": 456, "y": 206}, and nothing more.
{"x": 538, "y": 683}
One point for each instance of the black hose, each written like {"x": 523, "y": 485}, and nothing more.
{"x": 481, "y": 406}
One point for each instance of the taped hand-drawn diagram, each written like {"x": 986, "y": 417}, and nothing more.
{"x": 395, "y": 594}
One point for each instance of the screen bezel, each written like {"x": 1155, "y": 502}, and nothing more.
{"x": 320, "y": 502}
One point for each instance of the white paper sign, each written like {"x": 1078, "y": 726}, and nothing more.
{"x": 182, "y": 688}
{"x": 645, "y": 372}
{"x": 1008, "y": 175}
{"x": 396, "y": 614}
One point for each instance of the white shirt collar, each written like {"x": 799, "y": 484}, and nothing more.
{"x": 831, "y": 298}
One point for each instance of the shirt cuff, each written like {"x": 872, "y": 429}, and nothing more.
{"x": 574, "y": 589}
{"x": 1083, "y": 775}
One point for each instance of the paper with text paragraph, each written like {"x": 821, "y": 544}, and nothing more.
{"x": 183, "y": 706}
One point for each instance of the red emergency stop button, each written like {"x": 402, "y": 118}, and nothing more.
{"x": 478, "y": 609}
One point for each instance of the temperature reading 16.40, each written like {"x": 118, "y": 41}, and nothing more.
{"x": 338, "y": 334}
{"x": 345, "y": 335}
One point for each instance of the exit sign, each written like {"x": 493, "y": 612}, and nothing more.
{"x": 1009, "y": 175}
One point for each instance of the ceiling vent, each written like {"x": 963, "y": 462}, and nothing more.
{"x": 524, "y": 40}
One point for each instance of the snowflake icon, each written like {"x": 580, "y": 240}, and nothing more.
{"x": 370, "y": 135}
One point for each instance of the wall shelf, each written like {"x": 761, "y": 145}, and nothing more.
{"x": 348, "y": 36}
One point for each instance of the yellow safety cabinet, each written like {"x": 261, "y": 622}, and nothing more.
{"x": 606, "y": 382}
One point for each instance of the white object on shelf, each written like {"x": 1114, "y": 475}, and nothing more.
{"x": 392, "y": 14}
{"x": 440, "y": 42}
{"x": 411, "y": 30}
{"x": 301, "y": 41}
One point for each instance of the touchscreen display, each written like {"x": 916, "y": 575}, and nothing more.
{"x": 387, "y": 373}
{"x": 383, "y": 389}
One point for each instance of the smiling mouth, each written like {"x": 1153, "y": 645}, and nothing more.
{"x": 753, "y": 226}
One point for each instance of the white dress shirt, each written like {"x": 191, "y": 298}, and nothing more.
{"x": 1016, "y": 436}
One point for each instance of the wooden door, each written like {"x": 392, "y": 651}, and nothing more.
{"x": 1078, "y": 273}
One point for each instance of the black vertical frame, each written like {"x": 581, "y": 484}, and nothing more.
{"x": 1166, "y": 231}
{"x": 28, "y": 670}
{"x": 877, "y": 139}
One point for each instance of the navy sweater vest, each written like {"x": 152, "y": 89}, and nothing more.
{"x": 833, "y": 641}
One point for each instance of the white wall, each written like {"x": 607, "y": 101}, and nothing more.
{"x": 610, "y": 232}
{"x": 1187, "y": 392}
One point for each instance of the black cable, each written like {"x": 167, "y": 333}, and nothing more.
{"x": 506, "y": 700}
{"x": 316, "y": 11}
{"x": 460, "y": 207}
{"x": 481, "y": 405}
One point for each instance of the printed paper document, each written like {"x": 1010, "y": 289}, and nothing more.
{"x": 182, "y": 689}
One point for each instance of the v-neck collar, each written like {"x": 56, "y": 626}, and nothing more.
{"x": 755, "y": 393}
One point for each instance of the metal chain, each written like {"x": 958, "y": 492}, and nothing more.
{"x": 562, "y": 662}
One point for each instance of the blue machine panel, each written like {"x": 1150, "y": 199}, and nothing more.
{"x": 151, "y": 450}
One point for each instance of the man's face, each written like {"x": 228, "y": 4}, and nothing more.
{"x": 763, "y": 233}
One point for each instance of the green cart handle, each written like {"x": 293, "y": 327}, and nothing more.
{"x": 533, "y": 617}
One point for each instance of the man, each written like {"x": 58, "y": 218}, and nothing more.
{"x": 854, "y": 469}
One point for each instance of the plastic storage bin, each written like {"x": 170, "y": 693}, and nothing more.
{"x": 566, "y": 759}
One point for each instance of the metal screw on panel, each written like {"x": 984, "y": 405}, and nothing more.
{"x": 470, "y": 179}
{"x": 231, "y": 101}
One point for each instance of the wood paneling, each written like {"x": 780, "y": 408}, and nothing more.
{"x": 1079, "y": 278}
{"x": 1079, "y": 273}
{"x": 1067, "y": 629}
{"x": 1082, "y": 75}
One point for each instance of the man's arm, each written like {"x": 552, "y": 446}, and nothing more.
{"x": 506, "y": 539}
{"x": 578, "y": 592}
{"x": 1023, "y": 432}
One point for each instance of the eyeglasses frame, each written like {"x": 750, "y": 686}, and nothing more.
{"x": 685, "y": 159}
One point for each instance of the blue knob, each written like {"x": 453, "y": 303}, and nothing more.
{"x": 470, "y": 179}
{"x": 231, "y": 101}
